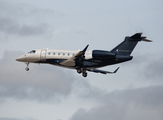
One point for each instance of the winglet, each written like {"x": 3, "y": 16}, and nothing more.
{"x": 116, "y": 70}
{"x": 85, "y": 48}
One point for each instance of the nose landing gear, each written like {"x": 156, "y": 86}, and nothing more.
{"x": 27, "y": 68}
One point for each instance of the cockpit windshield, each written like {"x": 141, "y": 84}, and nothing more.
{"x": 32, "y": 52}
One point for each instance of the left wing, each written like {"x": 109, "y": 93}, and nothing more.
{"x": 101, "y": 71}
{"x": 76, "y": 59}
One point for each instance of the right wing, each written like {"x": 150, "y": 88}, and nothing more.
{"x": 77, "y": 59}
{"x": 101, "y": 71}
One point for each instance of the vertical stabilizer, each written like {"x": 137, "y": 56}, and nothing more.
{"x": 128, "y": 45}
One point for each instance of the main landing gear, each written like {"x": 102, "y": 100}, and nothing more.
{"x": 83, "y": 71}
{"x": 27, "y": 68}
{"x": 79, "y": 71}
{"x": 84, "y": 74}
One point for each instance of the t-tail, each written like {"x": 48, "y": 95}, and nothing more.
{"x": 128, "y": 45}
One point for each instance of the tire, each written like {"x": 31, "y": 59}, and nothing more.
{"x": 27, "y": 69}
{"x": 79, "y": 71}
{"x": 84, "y": 74}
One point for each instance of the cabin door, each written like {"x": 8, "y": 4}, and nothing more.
{"x": 43, "y": 55}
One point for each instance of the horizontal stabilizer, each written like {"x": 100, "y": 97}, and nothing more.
{"x": 138, "y": 37}
{"x": 146, "y": 40}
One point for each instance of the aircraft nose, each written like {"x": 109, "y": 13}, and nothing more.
{"x": 21, "y": 58}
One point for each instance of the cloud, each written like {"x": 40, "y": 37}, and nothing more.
{"x": 154, "y": 68}
{"x": 9, "y": 26}
{"x": 140, "y": 103}
{"x": 84, "y": 90}
{"x": 8, "y": 118}
{"x": 24, "y": 20}
{"x": 41, "y": 83}
{"x": 3, "y": 118}
{"x": 150, "y": 66}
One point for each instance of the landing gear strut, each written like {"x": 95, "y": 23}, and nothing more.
{"x": 27, "y": 68}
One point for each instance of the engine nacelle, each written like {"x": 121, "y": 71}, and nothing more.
{"x": 100, "y": 54}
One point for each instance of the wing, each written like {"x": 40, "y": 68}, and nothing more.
{"x": 77, "y": 59}
{"x": 102, "y": 71}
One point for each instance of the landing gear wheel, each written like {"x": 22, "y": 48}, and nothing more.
{"x": 27, "y": 69}
{"x": 79, "y": 71}
{"x": 84, "y": 74}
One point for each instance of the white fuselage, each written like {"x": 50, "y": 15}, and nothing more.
{"x": 41, "y": 55}
{"x": 64, "y": 54}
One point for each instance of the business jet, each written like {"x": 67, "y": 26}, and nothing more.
{"x": 84, "y": 60}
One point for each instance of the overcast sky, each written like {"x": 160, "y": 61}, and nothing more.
{"x": 48, "y": 92}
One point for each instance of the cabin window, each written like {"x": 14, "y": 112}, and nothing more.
{"x": 58, "y": 53}
{"x": 68, "y": 54}
{"x": 49, "y": 53}
{"x": 63, "y": 53}
{"x": 53, "y": 53}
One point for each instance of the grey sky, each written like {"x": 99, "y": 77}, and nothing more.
{"x": 141, "y": 103}
{"x": 50, "y": 92}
